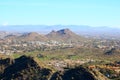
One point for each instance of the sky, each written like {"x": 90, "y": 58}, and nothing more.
{"x": 64, "y": 12}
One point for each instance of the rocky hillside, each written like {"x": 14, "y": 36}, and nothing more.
{"x": 23, "y": 68}
{"x": 29, "y": 68}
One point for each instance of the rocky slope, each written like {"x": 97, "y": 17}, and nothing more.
{"x": 24, "y": 68}
{"x": 29, "y": 68}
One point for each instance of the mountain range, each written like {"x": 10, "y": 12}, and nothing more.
{"x": 60, "y": 35}
{"x": 103, "y": 31}
{"x": 47, "y": 28}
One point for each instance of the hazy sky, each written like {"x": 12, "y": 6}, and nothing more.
{"x": 65, "y": 12}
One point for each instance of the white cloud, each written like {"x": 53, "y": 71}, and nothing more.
{"x": 5, "y": 24}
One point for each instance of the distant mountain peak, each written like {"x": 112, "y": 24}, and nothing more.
{"x": 61, "y": 32}
{"x": 65, "y": 31}
{"x": 63, "y": 35}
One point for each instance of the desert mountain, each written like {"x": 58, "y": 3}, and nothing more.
{"x": 64, "y": 35}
